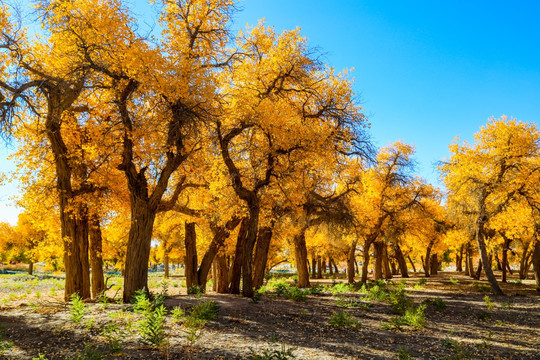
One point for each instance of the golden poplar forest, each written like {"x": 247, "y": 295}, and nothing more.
{"x": 204, "y": 194}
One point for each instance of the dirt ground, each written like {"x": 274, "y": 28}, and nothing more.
{"x": 468, "y": 328}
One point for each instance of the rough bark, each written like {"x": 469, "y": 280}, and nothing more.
{"x": 236, "y": 270}
{"x": 191, "y": 261}
{"x": 504, "y": 264}
{"x": 261, "y": 255}
{"x": 222, "y": 274}
{"x": 459, "y": 260}
{"x": 426, "y": 260}
{"x": 330, "y": 267}
{"x": 367, "y": 245}
{"x": 96, "y": 258}
{"x": 319, "y": 267}
{"x": 434, "y": 264}
{"x": 524, "y": 263}
{"x": 484, "y": 255}
{"x": 31, "y": 268}
{"x": 313, "y": 266}
{"x": 402, "y": 264}
{"x": 323, "y": 265}
{"x": 300, "y": 253}
{"x": 386, "y": 262}
{"x": 249, "y": 244}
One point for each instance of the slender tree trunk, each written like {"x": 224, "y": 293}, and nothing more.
{"x": 524, "y": 262}
{"x": 504, "y": 264}
{"x": 386, "y": 266}
{"x": 484, "y": 256}
{"x": 499, "y": 263}
{"x": 378, "y": 253}
{"x": 31, "y": 268}
{"x": 261, "y": 255}
{"x": 323, "y": 264}
{"x": 236, "y": 271}
{"x": 401, "y": 262}
{"x": 313, "y": 266}
{"x": 214, "y": 275}
{"x": 300, "y": 253}
{"x": 536, "y": 264}
{"x": 478, "y": 270}
{"x": 412, "y": 263}
{"x": 96, "y": 258}
{"x": 319, "y": 267}
{"x": 350, "y": 263}
{"x": 191, "y": 261}
{"x": 427, "y": 259}
{"x": 459, "y": 260}
{"x": 336, "y": 270}
{"x": 330, "y": 268}
{"x": 367, "y": 245}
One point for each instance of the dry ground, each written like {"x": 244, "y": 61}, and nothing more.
{"x": 465, "y": 329}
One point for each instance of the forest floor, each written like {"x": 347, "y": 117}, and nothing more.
{"x": 336, "y": 322}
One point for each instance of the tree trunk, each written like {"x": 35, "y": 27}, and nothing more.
{"x": 401, "y": 262}
{"x": 96, "y": 258}
{"x": 330, "y": 268}
{"x": 459, "y": 260}
{"x": 378, "y": 253}
{"x": 499, "y": 264}
{"x": 427, "y": 259}
{"x": 220, "y": 234}
{"x": 536, "y": 264}
{"x": 323, "y": 264}
{"x": 313, "y": 266}
{"x": 367, "y": 244}
{"x": 261, "y": 255}
{"x": 31, "y": 268}
{"x": 504, "y": 264}
{"x": 524, "y": 262}
{"x": 214, "y": 275}
{"x": 251, "y": 238}
{"x": 484, "y": 256}
{"x": 412, "y": 263}
{"x": 386, "y": 262}
{"x": 300, "y": 253}
{"x": 319, "y": 267}
{"x": 470, "y": 264}
{"x": 478, "y": 270}
{"x": 236, "y": 271}
{"x": 336, "y": 270}
{"x": 191, "y": 261}
{"x": 350, "y": 263}
{"x": 222, "y": 274}
{"x": 434, "y": 264}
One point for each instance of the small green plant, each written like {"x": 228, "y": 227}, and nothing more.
{"x": 257, "y": 296}
{"x": 112, "y": 334}
{"x": 490, "y": 304}
{"x": 484, "y": 315}
{"x": 152, "y": 327}
{"x": 457, "y": 349}
{"x": 400, "y": 301}
{"x": 195, "y": 290}
{"x": 517, "y": 282}
{"x": 296, "y": 294}
{"x": 316, "y": 289}
{"x": 178, "y": 314}
{"x": 207, "y": 310}
{"x": 507, "y": 305}
{"x": 90, "y": 352}
{"x": 279, "y": 286}
{"x": 501, "y": 323}
{"x": 481, "y": 287}
{"x": 341, "y": 319}
{"x": 404, "y": 354}
{"x": 77, "y": 309}
{"x": 377, "y": 293}
{"x": 454, "y": 281}
{"x": 438, "y": 303}
{"x": 103, "y": 301}
{"x": 487, "y": 342}
{"x": 141, "y": 302}
{"x": 192, "y": 328}
{"x": 40, "y": 357}
{"x": 282, "y": 353}
{"x": 415, "y": 317}
{"x": 90, "y": 323}
{"x": 340, "y": 288}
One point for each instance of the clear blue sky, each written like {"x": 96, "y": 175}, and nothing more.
{"x": 425, "y": 71}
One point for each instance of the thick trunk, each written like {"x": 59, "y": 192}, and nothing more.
{"x": 220, "y": 235}
{"x": 484, "y": 256}
{"x": 434, "y": 264}
{"x": 386, "y": 262}
{"x": 138, "y": 248}
{"x": 222, "y": 277}
{"x": 31, "y": 268}
{"x": 536, "y": 264}
{"x": 367, "y": 245}
{"x": 261, "y": 255}
{"x": 470, "y": 265}
{"x": 524, "y": 263}
{"x": 251, "y": 238}
{"x": 426, "y": 260}
{"x": 236, "y": 270}
{"x": 300, "y": 254}
{"x": 319, "y": 267}
{"x": 401, "y": 262}
{"x": 191, "y": 261}
{"x": 96, "y": 258}
{"x": 378, "y": 254}
{"x": 350, "y": 263}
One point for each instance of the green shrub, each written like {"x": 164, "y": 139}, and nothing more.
{"x": 112, "y": 334}
{"x": 490, "y": 304}
{"x": 352, "y": 302}
{"x": 195, "y": 290}
{"x": 152, "y": 327}
{"x": 399, "y": 301}
{"x": 296, "y": 294}
{"x": 273, "y": 354}
{"x": 279, "y": 286}
{"x": 207, "y": 310}
{"x": 340, "y": 288}
{"x": 178, "y": 314}
{"x": 90, "y": 352}
{"x": 377, "y": 293}
{"x": 454, "y": 281}
{"x": 316, "y": 289}
{"x": 141, "y": 302}
{"x": 404, "y": 354}
{"x": 438, "y": 303}
{"x": 415, "y": 317}
{"x": 77, "y": 309}
{"x": 342, "y": 319}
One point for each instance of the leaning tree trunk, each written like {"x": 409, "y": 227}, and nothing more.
{"x": 96, "y": 258}
{"x": 236, "y": 271}
{"x": 191, "y": 261}
{"x": 484, "y": 256}
{"x": 336, "y": 270}
{"x": 350, "y": 263}
{"x": 261, "y": 255}
{"x": 300, "y": 254}
{"x": 401, "y": 262}
{"x": 378, "y": 253}
{"x": 412, "y": 263}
